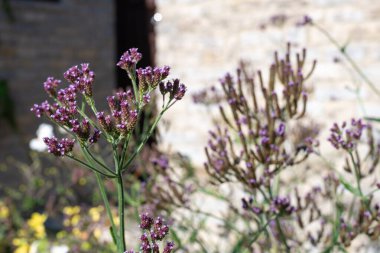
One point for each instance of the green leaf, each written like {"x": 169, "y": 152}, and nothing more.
{"x": 349, "y": 187}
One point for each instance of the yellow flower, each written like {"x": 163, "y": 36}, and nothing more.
{"x": 61, "y": 234}
{"x": 22, "y": 249}
{"x": 71, "y": 210}
{"x": 97, "y": 233}
{"x": 22, "y": 245}
{"x": 82, "y": 181}
{"x": 75, "y": 220}
{"x": 95, "y": 213}
{"x": 76, "y": 232}
{"x": 4, "y": 211}
{"x": 36, "y": 223}
{"x": 85, "y": 246}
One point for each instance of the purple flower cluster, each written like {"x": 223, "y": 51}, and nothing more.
{"x": 129, "y": 59}
{"x": 64, "y": 111}
{"x": 281, "y": 205}
{"x": 123, "y": 117}
{"x": 278, "y": 206}
{"x": 59, "y": 147}
{"x": 82, "y": 78}
{"x": 175, "y": 89}
{"x": 155, "y": 231}
{"x": 41, "y": 109}
{"x": 218, "y": 155}
{"x": 50, "y": 86}
{"x": 268, "y": 148}
{"x": 162, "y": 162}
{"x": 306, "y": 20}
{"x": 346, "y": 137}
{"x": 149, "y": 77}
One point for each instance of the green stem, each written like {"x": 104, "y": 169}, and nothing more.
{"x": 348, "y": 58}
{"x": 357, "y": 174}
{"x": 120, "y": 193}
{"x": 90, "y": 167}
{"x": 279, "y": 227}
{"x": 132, "y": 76}
{"x": 145, "y": 139}
{"x": 124, "y": 151}
{"x": 358, "y": 178}
{"x": 211, "y": 215}
{"x": 105, "y": 200}
{"x": 98, "y": 162}
{"x": 120, "y": 198}
{"x": 108, "y": 208}
{"x": 258, "y": 233}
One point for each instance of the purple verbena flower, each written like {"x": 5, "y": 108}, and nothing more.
{"x": 50, "y": 86}
{"x": 59, "y": 147}
{"x": 81, "y": 77}
{"x": 129, "y": 59}
{"x": 168, "y": 247}
{"x": 306, "y": 20}
{"x": 346, "y": 138}
{"x": 40, "y": 109}
{"x": 146, "y": 98}
{"x": 162, "y": 162}
{"x": 105, "y": 122}
{"x": 146, "y": 221}
{"x": 159, "y": 230}
{"x": 95, "y": 137}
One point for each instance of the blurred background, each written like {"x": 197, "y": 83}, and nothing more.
{"x": 200, "y": 40}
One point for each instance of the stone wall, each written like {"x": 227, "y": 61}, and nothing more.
{"x": 45, "y": 39}
{"x": 203, "y": 39}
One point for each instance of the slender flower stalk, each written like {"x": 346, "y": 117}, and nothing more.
{"x": 342, "y": 49}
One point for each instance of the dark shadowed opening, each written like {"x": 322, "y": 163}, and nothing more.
{"x": 134, "y": 28}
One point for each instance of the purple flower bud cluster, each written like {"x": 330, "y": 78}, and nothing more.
{"x": 162, "y": 162}
{"x": 149, "y": 77}
{"x": 50, "y": 86}
{"x": 64, "y": 111}
{"x": 281, "y": 205}
{"x": 82, "y": 78}
{"x": 306, "y": 20}
{"x": 59, "y": 147}
{"x": 366, "y": 222}
{"x": 258, "y": 118}
{"x": 268, "y": 150}
{"x": 175, "y": 89}
{"x": 167, "y": 188}
{"x": 123, "y": 117}
{"x": 155, "y": 231}
{"x": 207, "y": 96}
{"x": 345, "y": 137}
{"x": 218, "y": 155}
{"x": 42, "y": 109}
{"x": 129, "y": 59}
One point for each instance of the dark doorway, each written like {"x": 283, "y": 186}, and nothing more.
{"x": 134, "y": 29}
